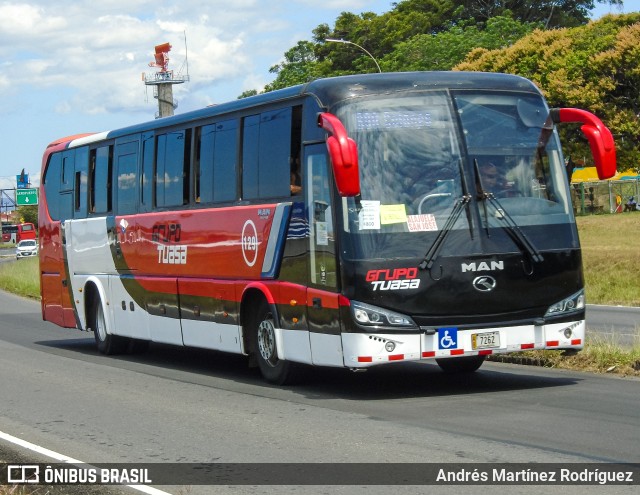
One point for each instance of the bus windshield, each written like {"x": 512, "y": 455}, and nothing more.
{"x": 420, "y": 154}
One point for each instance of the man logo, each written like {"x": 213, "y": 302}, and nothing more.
{"x": 483, "y": 266}
{"x": 484, "y": 283}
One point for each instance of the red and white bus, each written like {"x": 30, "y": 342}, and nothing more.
{"x": 19, "y": 232}
{"x": 26, "y": 231}
{"x": 394, "y": 245}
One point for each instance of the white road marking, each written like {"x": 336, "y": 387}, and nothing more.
{"x": 70, "y": 460}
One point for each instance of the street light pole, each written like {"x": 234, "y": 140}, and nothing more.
{"x": 333, "y": 40}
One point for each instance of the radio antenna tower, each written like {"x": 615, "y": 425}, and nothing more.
{"x": 163, "y": 81}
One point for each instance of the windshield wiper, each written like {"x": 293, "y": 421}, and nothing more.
{"x": 510, "y": 226}
{"x": 427, "y": 262}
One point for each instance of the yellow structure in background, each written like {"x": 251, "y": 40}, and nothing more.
{"x": 589, "y": 174}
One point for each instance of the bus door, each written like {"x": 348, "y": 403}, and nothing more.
{"x": 322, "y": 294}
{"x": 59, "y": 305}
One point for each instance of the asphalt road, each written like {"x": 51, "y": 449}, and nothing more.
{"x": 617, "y": 324}
{"x": 176, "y": 405}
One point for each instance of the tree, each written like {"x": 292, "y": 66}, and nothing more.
{"x": 247, "y": 93}
{"x": 442, "y": 51}
{"x": 300, "y": 65}
{"x": 378, "y": 34}
{"x": 28, "y": 214}
{"x": 595, "y": 67}
{"x": 551, "y": 13}
{"x": 421, "y": 35}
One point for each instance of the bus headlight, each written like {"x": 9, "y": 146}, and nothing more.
{"x": 372, "y": 316}
{"x": 570, "y": 304}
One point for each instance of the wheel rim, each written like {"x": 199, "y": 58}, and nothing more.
{"x": 267, "y": 342}
{"x": 101, "y": 327}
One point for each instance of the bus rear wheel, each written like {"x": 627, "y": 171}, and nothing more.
{"x": 466, "y": 364}
{"x": 273, "y": 369}
{"x": 107, "y": 343}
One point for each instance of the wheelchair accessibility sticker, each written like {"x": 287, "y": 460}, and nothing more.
{"x": 447, "y": 338}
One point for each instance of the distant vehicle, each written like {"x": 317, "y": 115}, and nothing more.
{"x": 19, "y": 232}
{"x": 26, "y": 248}
{"x": 9, "y": 233}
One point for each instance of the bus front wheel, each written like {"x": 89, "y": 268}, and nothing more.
{"x": 273, "y": 369}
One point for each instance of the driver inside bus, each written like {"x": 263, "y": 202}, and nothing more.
{"x": 493, "y": 181}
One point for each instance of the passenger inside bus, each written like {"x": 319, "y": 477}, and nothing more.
{"x": 296, "y": 183}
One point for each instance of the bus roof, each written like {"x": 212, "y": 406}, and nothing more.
{"x": 328, "y": 92}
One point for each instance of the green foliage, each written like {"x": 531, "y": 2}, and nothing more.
{"x": 300, "y": 65}
{"x": 246, "y": 94}
{"x": 28, "y": 214}
{"x": 21, "y": 277}
{"x": 593, "y": 67}
{"x": 442, "y": 51}
{"x": 550, "y": 13}
{"x": 420, "y": 35}
{"x": 587, "y": 65}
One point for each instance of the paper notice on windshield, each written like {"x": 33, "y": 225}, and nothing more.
{"x": 422, "y": 223}
{"x": 369, "y": 215}
{"x": 393, "y": 214}
{"x": 322, "y": 234}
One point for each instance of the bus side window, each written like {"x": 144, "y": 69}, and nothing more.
{"x": 225, "y": 161}
{"x": 126, "y": 177}
{"x": 266, "y": 155}
{"x": 81, "y": 179}
{"x": 100, "y": 180}
{"x": 218, "y": 175}
{"x": 146, "y": 178}
{"x": 172, "y": 168}
{"x": 323, "y": 269}
{"x": 52, "y": 185}
{"x": 296, "y": 137}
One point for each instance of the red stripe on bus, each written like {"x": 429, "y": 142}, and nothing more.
{"x": 328, "y": 300}
{"x": 343, "y": 301}
{"x": 485, "y": 352}
{"x": 396, "y": 357}
{"x": 527, "y": 346}
{"x": 365, "y": 359}
{"x": 553, "y": 343}
{"x": 457, "y": 352}
{"x": 428, "y": 354}
{"x": 576, "y": 342}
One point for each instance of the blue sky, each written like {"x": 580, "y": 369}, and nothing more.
{"x": 73, "y": 66}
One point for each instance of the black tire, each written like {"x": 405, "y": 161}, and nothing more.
{"x": 467, "y": 364}
{"x": 273, "y": 369}
{"x": 107, "y": 343}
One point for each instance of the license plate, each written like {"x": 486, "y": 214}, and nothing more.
{"x": 487, "y": 340}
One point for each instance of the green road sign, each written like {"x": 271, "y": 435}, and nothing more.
{"x": 26, "y": 197}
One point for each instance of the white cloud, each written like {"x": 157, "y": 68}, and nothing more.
{"x": 69, "y": 66}
{"x": 342, "y": 5}
{"x": 22, "y": 20}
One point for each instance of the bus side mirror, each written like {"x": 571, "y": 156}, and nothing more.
{"x": 344, "y": 155}
{"x": 600, "y": 138}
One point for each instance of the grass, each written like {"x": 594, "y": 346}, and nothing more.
{"x": 612, "y": 276}
{"x": 600, "y": 355}
{"x": 610, "y": 255}
{"x": 21, "y": 277}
